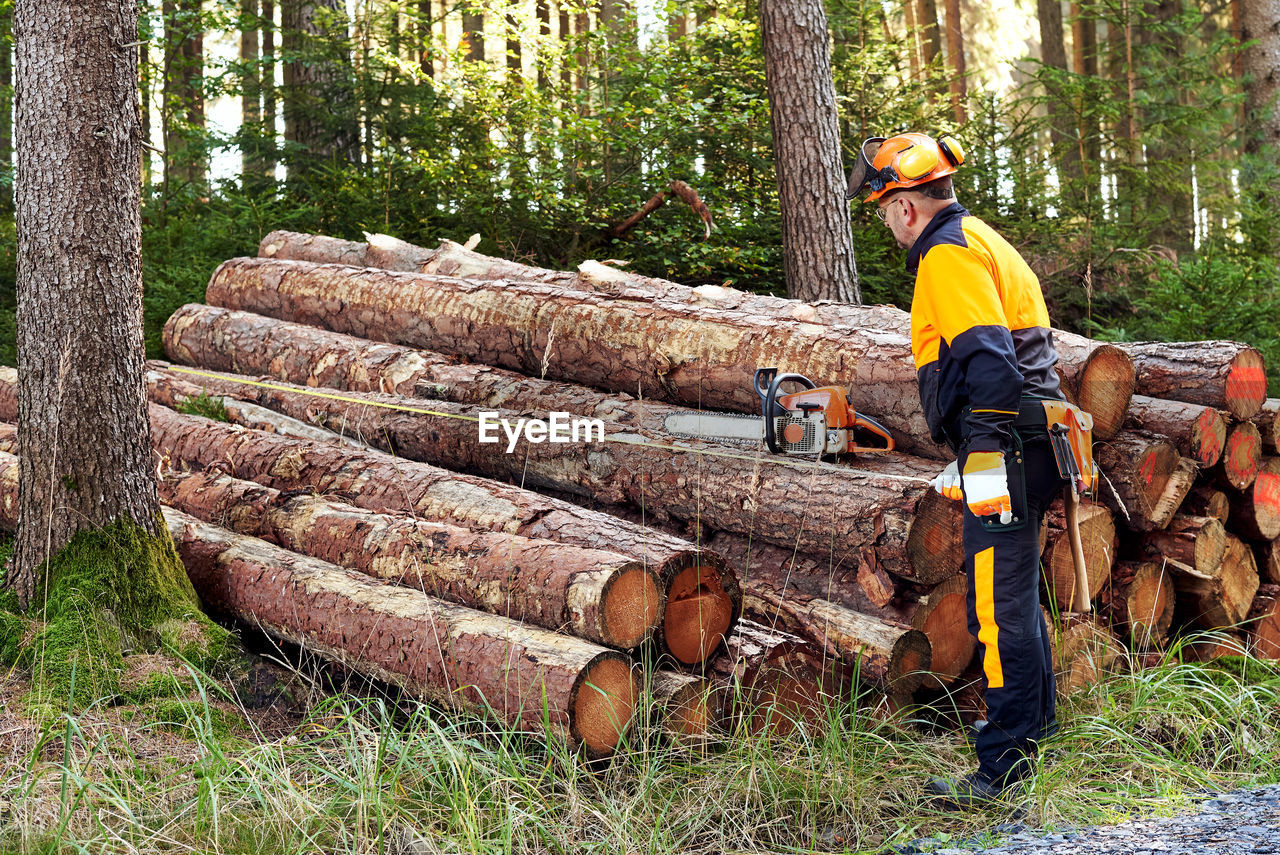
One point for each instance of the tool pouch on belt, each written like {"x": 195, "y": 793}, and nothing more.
{"x": 1071, "y": 434}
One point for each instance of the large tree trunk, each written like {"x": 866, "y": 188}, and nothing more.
{"x": 1199, "y": 432}
{"x": 930, "y": 32}
{"x": 6, "y": 106}
{"x": 695, "y": 581}
{"x": 1168, "y": 200}
{"x": 672, "y": 352}
{"x": 183, "y": 112}
{"x": 269, "y": 89}
{"x": 1260, "y": 31}
{"x": 436, "y": 650}
{"x": 1223, "y": 374}
{"x": 879, "y": 511}
{"x": 84, "y": 437}
{"x": 1146, "y": 480}
{"x": 318, "y": 113}
{"x": 1097, "y": 376}
{"x": 1062, "y": 125}
{"x": 597, "y": 595}
{"x": 955, "y": 54}
{"x": 250, "y": 95}
{"x": 817, "y": 244}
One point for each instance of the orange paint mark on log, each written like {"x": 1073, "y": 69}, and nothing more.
{"x": 1210, "y": 444}
{"x": 1242, "y": 455}
{"x": 1266, "y": 491}
{"x": 1247, "y": 381}
{"x": 1148, "y": 470}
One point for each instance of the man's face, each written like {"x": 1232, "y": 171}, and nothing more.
{"x": 896, "y": 215}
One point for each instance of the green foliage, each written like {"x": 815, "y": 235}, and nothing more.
{"x": 206, "y": 406}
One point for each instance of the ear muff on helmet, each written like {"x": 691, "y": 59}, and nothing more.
{"x": 951, "y": 149}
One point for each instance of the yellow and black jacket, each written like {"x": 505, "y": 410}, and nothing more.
{"x": 979, "y": 331}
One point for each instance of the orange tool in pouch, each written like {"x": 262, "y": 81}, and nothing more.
{"x": 1071, "y": 434}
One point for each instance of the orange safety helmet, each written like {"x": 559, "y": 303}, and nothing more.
{"x": 902, "y": 161}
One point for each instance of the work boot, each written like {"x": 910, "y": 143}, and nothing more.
{"x": 972, "y": 791}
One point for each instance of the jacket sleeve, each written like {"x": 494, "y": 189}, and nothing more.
{"x": 960, "y": 291}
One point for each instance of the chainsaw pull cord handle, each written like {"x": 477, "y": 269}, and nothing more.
{"x": 771, "y": 408}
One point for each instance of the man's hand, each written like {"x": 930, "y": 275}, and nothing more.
{"x": 948, "y": 482}
{"x": 986, "y": 486}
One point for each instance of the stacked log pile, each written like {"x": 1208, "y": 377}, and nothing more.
{"x": 355, "y": 378}
{"x": 865, "y": 538}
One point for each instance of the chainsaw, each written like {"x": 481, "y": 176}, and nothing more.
{"x": 814, "y": 421}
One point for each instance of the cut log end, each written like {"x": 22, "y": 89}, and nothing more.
{"x": 935, "y": 544}
{"x": 604, "y": 703}
{"x": 632, "y": 604}
{"x": 1106, "y": 386}
{"x": 946, "y": 624}
{"x": 691, "y": 707}
{"x": 1083, "y": 654}
{"x": 910, "y": 661}
{"x": 1208, "y": 437}
{"x": 1246, "y": 384}
{"x": 1149, "y": 601}
{"x": 1243, "y": 455}
{"x": 699, "y": 614}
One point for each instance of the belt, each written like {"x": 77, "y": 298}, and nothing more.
{"x": 1030, "y": 420}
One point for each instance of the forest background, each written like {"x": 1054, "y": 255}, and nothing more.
{"x": 1126, "y": 147}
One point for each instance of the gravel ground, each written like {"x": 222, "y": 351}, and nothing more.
{"x": 1244, "y": 822}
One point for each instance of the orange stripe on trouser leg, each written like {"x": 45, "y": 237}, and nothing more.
{"x": 984, "y": 565}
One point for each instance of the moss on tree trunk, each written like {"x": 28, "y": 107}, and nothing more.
{"x": 109, "y": 592}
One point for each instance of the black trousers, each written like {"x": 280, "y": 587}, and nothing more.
{"x": 1004, "y": 614}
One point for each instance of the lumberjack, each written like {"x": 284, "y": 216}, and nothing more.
{"x": 985, "y": 359}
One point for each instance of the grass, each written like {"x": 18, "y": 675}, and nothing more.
{"x": 366, "y": 776}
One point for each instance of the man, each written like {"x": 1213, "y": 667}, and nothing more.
{"x": 984, "y": 356}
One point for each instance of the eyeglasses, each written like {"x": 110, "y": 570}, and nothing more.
{"x": 883, "y": 213}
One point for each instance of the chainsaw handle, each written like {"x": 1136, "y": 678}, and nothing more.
{"x": 872, "y": 426}
{"x": 770, "y": 406}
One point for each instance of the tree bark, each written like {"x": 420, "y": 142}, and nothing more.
{"x": 83, "y": 439}
{"x": 1260, "y": 25}
{"x": 1268, "y": 423}
{"x": 6, "y": 107}
{"x": 590, "y": 593}
{"x": 317, "y": 99}
{"x": 939, "y": 613}
{"x": 1225, "y": 375}
{"x": 672, "y": 352}
{"x": 1146, "y": 481}
{"x": 913, "y": 39}
{"x": 1140, "y": 600}
{"x": 1268, "y": 558}
{"x": 1097, "y": 376}
{"x": 880, "y": 511}
{"x": 1256, "y": 514}
{"x": 930, "y": 32}
{"x": 891, "y": 656}
{"x": 183, "y": 112}
{"x": 1221, "y": 600}
{"x": 1169, "y": 200}
{"x": 1205, "y": 500}
{"x": 268, "y": 85}
{"x": 955, "y": 54}
{"x": 1190, "y": 545}
{"x": 695, "y": 582}
{"x": 817, "y": 244}
{"x": 1066, "y": 153}
{"x": 1242, "y": 458}
{"x": 1084, "y": 39}
{"x": 252, "y": 165}
{"x": 1198, "y": 432}
{"x": 448, "y": 654}
{"x": 1100, "y": 541}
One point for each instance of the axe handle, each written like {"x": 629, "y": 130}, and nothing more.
{"x": 1080, "y": 595}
